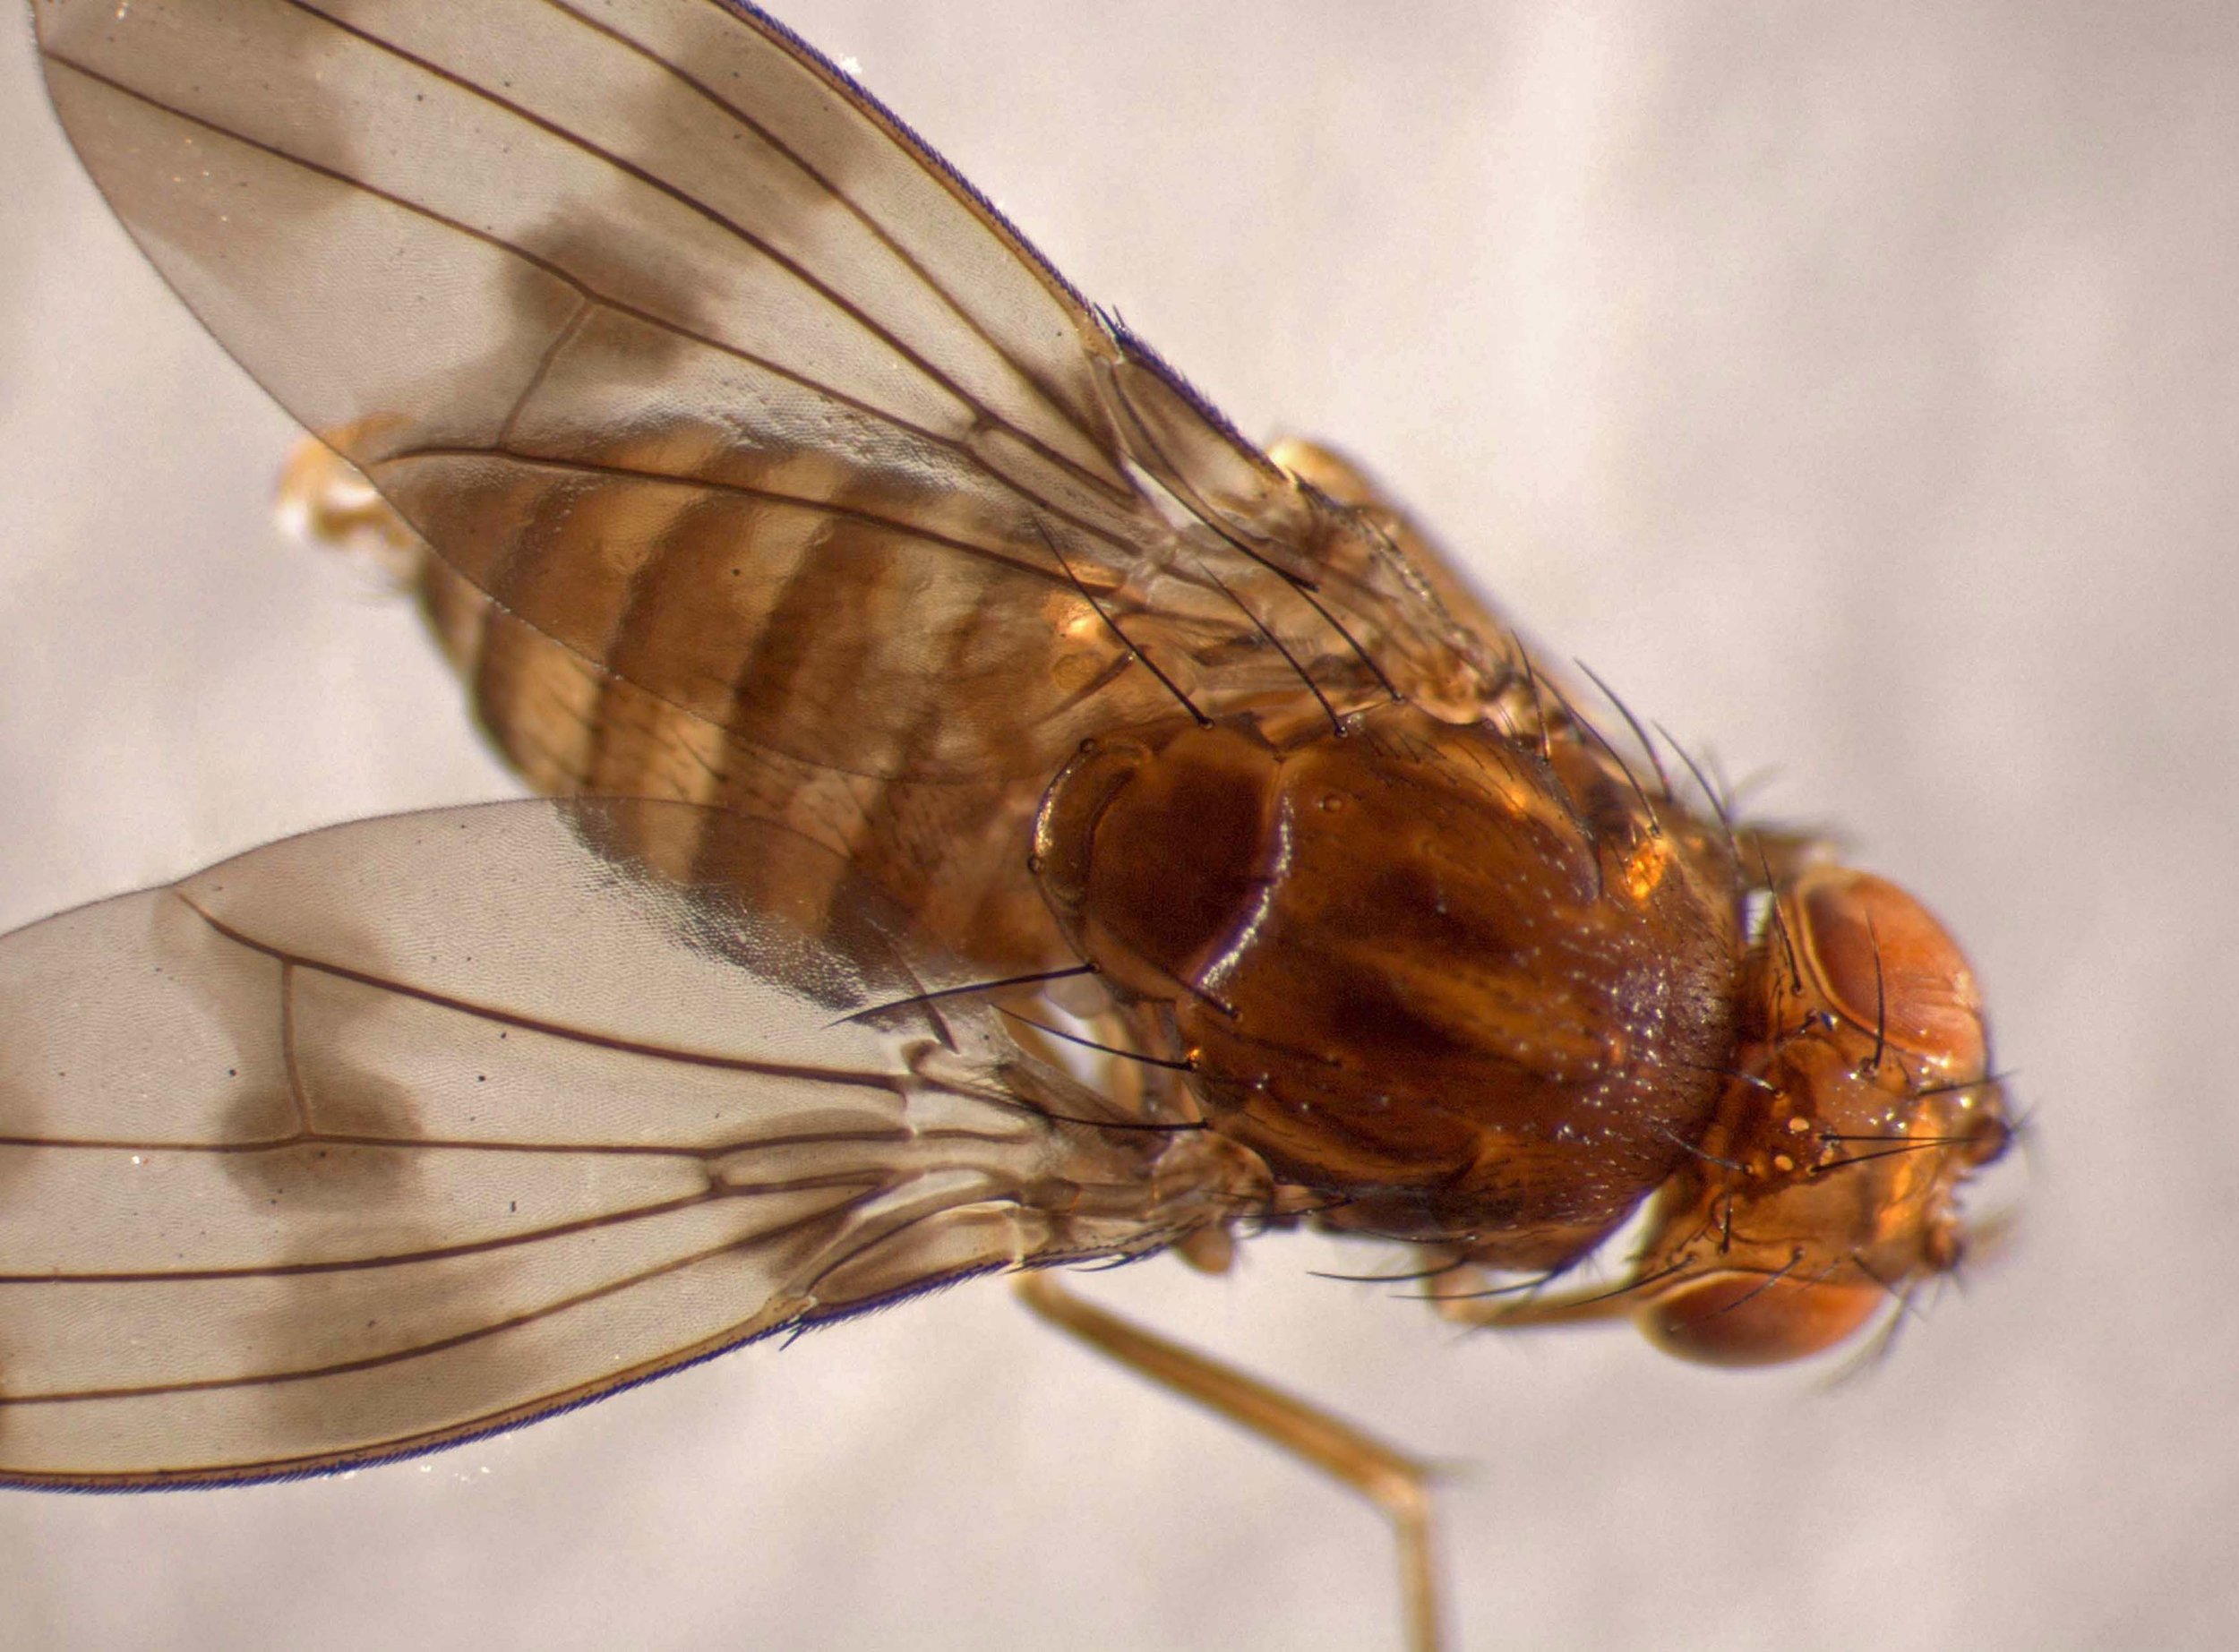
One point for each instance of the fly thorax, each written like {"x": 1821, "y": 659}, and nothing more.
{"x": 1406, "y": 966}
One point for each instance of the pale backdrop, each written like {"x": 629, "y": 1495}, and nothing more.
{"x": 1854, "y": 388}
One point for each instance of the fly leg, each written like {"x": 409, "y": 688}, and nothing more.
{"x": 1396, "y": 1484}
{"x": 325, "y": 501}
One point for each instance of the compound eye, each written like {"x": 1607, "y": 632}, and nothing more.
{"x": 1755, "y": 1319}
{"x": 1884, "y": 964}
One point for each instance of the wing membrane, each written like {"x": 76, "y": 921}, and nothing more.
{"x": 766, "y": 466}
{"x": 392, "y": 1134}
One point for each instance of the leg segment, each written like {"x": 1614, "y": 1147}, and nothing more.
{"x": 1396, "y": 1484}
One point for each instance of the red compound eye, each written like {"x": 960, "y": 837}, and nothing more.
{"x": 1754, "y": 1319}
{"x": 1884, "y": 964}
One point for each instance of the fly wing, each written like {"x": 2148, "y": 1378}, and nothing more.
{"x": 763, "y": 464}
{"x": 397, "y": 1133}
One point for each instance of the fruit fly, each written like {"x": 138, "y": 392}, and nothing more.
{"x": 927, "y": 686}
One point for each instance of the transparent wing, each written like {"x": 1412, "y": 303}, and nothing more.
{"x": 396, "y": 1132}
{"x": 764, "y": 463}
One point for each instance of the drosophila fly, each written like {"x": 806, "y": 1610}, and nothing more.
{"x": 926, "y": 683}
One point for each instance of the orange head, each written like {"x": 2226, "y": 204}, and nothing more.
{"x": 1860, "y": 1102}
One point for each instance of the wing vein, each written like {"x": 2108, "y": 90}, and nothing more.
{"x": 853, "y": 514}
{"x": 592, "y": 295}
{"x": 730, "y": 227}
{"x": 374, "y": 1362}
{"x": 869, "y": 222}
{"x": 482, "y": 1012}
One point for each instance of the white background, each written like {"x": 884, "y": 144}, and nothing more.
{"x": 1854, "y": 388}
